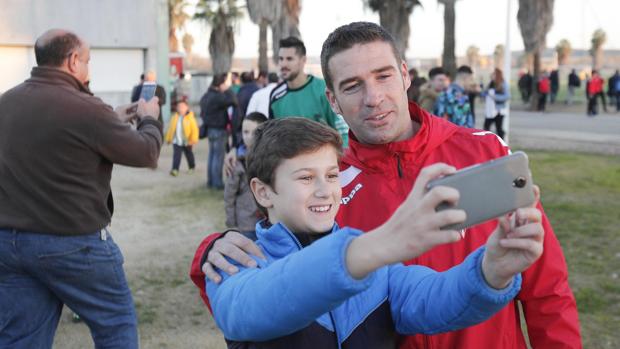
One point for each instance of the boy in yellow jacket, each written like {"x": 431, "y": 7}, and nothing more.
{"x": 183, "y": 134}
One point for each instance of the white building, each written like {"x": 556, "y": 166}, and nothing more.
{"x": 126, "y": 38}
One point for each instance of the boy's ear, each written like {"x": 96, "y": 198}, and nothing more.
{"x": 262, "y": 192}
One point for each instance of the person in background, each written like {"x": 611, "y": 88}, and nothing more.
{"x": 260, "y": 99}
{"x": 453, "y": 103}
{"x": 612, "y": 91}
{"x": 413, "y": 93}
{"x": 214, "y": 106}
{"x": 160, "y": 92}
{"x": 554, "y": 79}
{"x": 182, "y": 133}
{"x": 525, "y": 86}
{"x": 241, "y": 210}
{"x": 496, "y": 96}
{"x": 574, "y": 82}
{"x": 544, "y": 87}
{"x": 438, "y": 82}
{"x": 247, "y": 89}
{"x": 594, "y": 91}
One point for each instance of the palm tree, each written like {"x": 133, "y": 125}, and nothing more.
{"x": 176, "y": 20}
{"x": 563, "y": 50}
{"x": 188, "y": 43}
{"x": 535, "y": 19}
{"x": 220, "y": 15}
{"x": 598, "y": 39}
{"x": 448, "y": 57}
{"x": 394, "y": 17}
{"x": 473, "y": 56}
{"x": 498, "y": 56}
{"x": 264, "y": 13}
{"x": 285, "y": 26}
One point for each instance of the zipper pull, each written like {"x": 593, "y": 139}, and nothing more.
{"x": 400, "y": 170}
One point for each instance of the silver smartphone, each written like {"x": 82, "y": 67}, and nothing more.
{"x": 148, "y": 90}
{"x": 489, "y": 190}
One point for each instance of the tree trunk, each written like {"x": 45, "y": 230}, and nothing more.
{"x": 263, "y": 63}
{"x": 287, "y": 25}
{"x": 173, "y": 42}
{"x": 535, "y": 77}
{"x": 448, "y": 57}
{"x": 395, "y": 19}
{"x": 596, "y": 58}
{"x": 221, "y": 47}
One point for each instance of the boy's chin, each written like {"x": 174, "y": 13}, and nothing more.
{"x": 321, "y": 228}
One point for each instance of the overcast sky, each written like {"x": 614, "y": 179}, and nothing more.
{"x": 478, "y": 22}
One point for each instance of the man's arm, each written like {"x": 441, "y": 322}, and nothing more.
{"x": 548, "y": 302}
{"x": 119, "y": 143}
{"x": 231, "y": 188}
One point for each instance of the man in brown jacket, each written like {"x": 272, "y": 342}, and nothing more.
{"x": 58, "y": 144}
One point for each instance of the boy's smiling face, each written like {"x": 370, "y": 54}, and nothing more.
{"x": 307, "y": 192}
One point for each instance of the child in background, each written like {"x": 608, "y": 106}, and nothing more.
{"x": 183, "y": 134}
{"x": 241, "y": 210}
{"x": 321, "y": 286}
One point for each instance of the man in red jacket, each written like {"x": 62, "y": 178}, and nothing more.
{"x": 391, "y": 142}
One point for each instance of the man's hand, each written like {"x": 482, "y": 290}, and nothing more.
{"x": 229, "y": 162}
{"x": 414, "y": 228}
{"x": 150, "y": 108}
{"x": 126, "y": 112}
{"x": 234, "y": 246}
{"x": 514, "y": 246}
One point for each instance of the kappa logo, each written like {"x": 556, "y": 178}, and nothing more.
{"x": 345, "y": 200}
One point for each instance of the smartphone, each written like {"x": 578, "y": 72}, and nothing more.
{"x": 148, "y": 90}
{"x": 489, "y": 190}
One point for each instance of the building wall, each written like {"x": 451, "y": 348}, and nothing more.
{"x": 125, "y": 40}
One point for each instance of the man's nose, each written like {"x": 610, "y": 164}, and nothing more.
{"x": 373, "y": 95}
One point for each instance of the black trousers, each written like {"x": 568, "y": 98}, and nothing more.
{"x": 498, "y": 120}
{"x": 542, "y": 101}
{"x": 177, "y": 151}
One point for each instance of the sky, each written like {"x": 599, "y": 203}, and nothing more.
{"x": 478, "y": 22}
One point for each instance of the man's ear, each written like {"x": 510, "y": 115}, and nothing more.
{"x": 262, "y": 192}
{"x": 405, "y": 73}
{"x": 333, "y": 102}
{"x": 72, "y": 61}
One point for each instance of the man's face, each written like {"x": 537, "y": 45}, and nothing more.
{"x": 247, "y": 132}
{"x": 440, "y": 82}
{"x": 78, "y": 62}
{"x": 370, "y": 92}
{"x": 307, "y": 192}
{"x": 290, "y": 63}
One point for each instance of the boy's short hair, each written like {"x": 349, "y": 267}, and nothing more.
{"x": 257, "y": 117}
{"x": 436, "y": 71}
{"x": 295, "y": 43}
{"x": 281, "y": 139}
{"x": 464, "y": 69}
{"x": 346, "y": 36}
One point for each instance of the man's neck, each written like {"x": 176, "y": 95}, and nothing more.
{"x": 299, "y": 81}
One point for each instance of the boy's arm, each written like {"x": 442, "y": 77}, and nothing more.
{"x": 425, "y": 301}
{"x": 274, "y": 300}
{"x": 231, "y": 188}
{"x": 548, "y": 302}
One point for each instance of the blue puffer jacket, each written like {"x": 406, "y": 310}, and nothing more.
{"x": 305, "y": 297}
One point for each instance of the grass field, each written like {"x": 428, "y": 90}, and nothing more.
{"x": 581, "y": 196}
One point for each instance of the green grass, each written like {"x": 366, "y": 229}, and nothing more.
{"x": 581, "y": 197}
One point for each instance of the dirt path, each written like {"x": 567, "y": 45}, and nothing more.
{"x": 158, "y": 222}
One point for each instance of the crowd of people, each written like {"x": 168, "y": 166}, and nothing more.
{"x": 334, "y": 238}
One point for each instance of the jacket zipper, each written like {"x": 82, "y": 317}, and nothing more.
{"x": 331, "y": 317}
{"x": 398, "y": 167}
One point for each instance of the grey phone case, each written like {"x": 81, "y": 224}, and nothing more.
{"x": 490, "y": 190}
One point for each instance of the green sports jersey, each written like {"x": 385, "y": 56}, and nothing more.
{"x": 308, "y": 101}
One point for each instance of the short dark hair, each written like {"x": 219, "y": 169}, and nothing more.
{"x": 295, "y": 43}
{"x": 247, "y": 77}
{"x": 436, "y": 71}
{"x": 346, "y": 36}
{"x": 464, "y": 69}
{"x": 273, "y": 77}
{"x": 54, "y": 51}
{"x": 218, "y": 79}
{"x": 280, "y": 139}
{"x": 255, "y": 116}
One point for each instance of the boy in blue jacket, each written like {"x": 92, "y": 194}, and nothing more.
{"x": 321, "y": 286}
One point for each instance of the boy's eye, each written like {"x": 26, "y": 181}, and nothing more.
{"x": 307, "y": 178}
{"x": 332, "y": 176}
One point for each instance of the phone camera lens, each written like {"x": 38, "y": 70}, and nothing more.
{"x": 520, "y": 182}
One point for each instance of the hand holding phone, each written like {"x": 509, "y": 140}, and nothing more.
{"x": 489, "y": 190}
{"x": 148, "y": 90}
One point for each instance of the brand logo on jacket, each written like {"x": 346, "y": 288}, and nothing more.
{"x": 345, "y": 200}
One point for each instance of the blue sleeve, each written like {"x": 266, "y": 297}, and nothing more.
{"x": 285, "y": 296}
{"x": 502, "y": 97}
{"x": 425, "y": 301}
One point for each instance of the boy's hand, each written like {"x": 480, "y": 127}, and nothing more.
{"x": 414, "y": 228}
{"x": 514, "y": 246}
{"x": 234, "y": 246}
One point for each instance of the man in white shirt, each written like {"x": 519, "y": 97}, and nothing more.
{"x": 260, "y": 99}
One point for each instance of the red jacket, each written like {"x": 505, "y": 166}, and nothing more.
{"x": 544, "y": 85}
{"x": 376, "y": 179}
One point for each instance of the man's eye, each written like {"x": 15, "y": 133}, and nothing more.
{"x": 351, "y": 88}
{"x": 384, "y": 76}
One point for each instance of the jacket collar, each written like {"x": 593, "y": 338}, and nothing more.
{"x": 432, "y": 133}
{"x": 54, "y": 76}
{"x": 277, "y": 240}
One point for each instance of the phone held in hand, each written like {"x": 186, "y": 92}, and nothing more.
{"x": 489, "y": 190}
{"x": 148, "y": 90}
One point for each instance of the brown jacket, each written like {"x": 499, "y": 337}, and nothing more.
{"x": 57, "y": 146}
{"x": 428, "y": 97}
{"x": 241, "y": 210}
